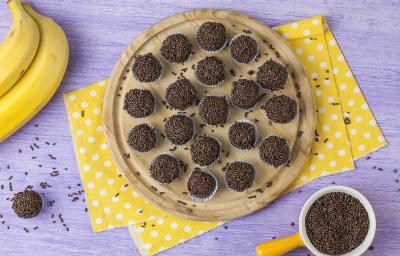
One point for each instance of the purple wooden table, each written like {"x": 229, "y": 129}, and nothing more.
{"x": 98, "y": 31}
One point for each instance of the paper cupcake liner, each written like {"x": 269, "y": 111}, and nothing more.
{"x": 158, "y": 79}
{"x": 207, "y": 85}
{"x": 249, "y": 122}
{"x": 288, "y": 161}
{"x": 255, "y": 56}
{"x": 216, "y": 160}
{"x": 188, "y": 58}
{"x": 200, "y": 199}
{"x": 157, "y": 139}
{"x": 217, "y": 95}
{"x": 226, "y": 182}
{"x": 169, "y": 154}
{"x": 193, "y": 136}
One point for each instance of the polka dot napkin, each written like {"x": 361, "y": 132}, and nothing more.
{"x": 346, "y": 130}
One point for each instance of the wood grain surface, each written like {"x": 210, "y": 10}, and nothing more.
{"x": 98, "y": 31}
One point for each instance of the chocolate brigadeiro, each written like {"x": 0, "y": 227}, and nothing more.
{"x": 139, "y": 103}
{"x": 205, "y": 150}
{"x": 142, "y": 138}
{"x": 243, "y": 49}
{"x": 243, "y": 135}
{"x": 214, "y": 109}
{"x": 272, "y": 76}
{"x": 281, "y": 109}
{"x": 164, "y": 168}
{"x": 176, "y": 48}
{"x": 181, "y": 94}
{"x": 27, "y": 204}
{"x": 179, "y": 129}
{"x": 211, "y": 36}
{"x": 202, "y": 185}
{"x": 239, "y": 175}
{"x": 147, "y": 68}
{"x": 210, "y": 71}
{"x": 274, "y": 151}
{"x": 245, "y": 94}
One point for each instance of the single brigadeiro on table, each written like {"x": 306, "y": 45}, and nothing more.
{"x": 243, "y": 49}
{"x": 164, "y": 168}
{"x": 147, "y": 68}
{"x": 181, "y": 94}
{"x": 271, "y": 76}
{"x": 211, "y": 36}
{"x": 243, "y": 135}
{"x": 176, "y": 48}
{"x": 210, "y": 71}
{"x": 139, "y": 103}
{"x": 239, "y": 175}
{"x": 281, "y": 109}
{"x": 214, "y": 109}
{"x": 274, "y": 151}
{"x": 142, "y": 138}
{"x": 245, "y": 94}
{"x": 202, "y": 185}
{"x": 179, "y": 129}
{"x": 205, "y": 150}
{"x": 27, "y": 204}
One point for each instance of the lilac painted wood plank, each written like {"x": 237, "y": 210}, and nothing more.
{"x": 368, "y": 33}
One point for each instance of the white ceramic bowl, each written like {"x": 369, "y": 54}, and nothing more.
{"x": 354, "y": 193}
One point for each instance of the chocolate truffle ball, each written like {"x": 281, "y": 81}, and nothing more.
{"x": 142, "y": 138}
{"x": 272, "y": 76}
{"x": 179, "y": 129}
{"x": 275, "y": 151}
{"x": 214, "y": 109}
{"x": 245, "y": 94}
{"x": 139, "y": 103}
{"x": 211, "y": 36}
{"x": 176, "y": 48}
{"x": 243, "y": 135}
{"x": 205, "y": 150}
{"x": 243, "y": 49}
{"x": 147, "y": 68}
{"x": 164, "y": 168}
{"x": 27, "y": 204}
{"x": 201, "y": 185}
{"x": 281, "y": 109}
{"x": 181, "y": 94}
{"x": 210, "y": 71}
{"x": 239, "y": 175}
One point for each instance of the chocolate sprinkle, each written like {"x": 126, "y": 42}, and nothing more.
{"x": 214, "y": 109}
{"x": 245, "y": 94}
{"x": 210, "y": 71}
{"x": 139, "y": 103}
{"x": 147, "y": 68}
{"x": 272, "y": 76}
{"x": 211, "y": 36}
{"x": 164, "y": 168}
{"x": 239, "y": 175}
{"x": 205, "y": 150}
{"x": 27, "y": 204}
{"x": 179, "y": 129}
{"x": 181, "y": 94}
{"x": 274, "y": 151}
{"x": 281, "y": 109}
{"x": 201, "y": 185}
{"x": 243, "y": 49}
{"x": 142, "y": 138}
{"x": 243, "y": 135}
{"x": 176, "y": 48}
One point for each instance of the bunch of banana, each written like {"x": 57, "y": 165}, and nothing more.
{"x": 33, "y": 60}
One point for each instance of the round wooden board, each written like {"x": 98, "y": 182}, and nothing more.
{"x": 269, "y": 183}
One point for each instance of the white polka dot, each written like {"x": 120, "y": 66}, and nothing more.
{"x": 340, "y": 58}
{"x": 72, "y": 97}
{"x": 174, "y": 225}
{"x": 329, "y": 145}
{"x": 103, "y": 146}
{"x": 318, "y": 92}
{"x": 322, "y": 110}
{"x": 285, "y": 35}
{"x": 341, "y": 152}
{"x": 361, "y": 147}
{"x": 91, "y": 139}
{"x": 338, "y": 134}
{"x": 90, "y": 185}
{"x": 359, "y": 119}
{"x": 303, "y": 178}
{"x": 86, "y": 167}
{"x": 154, "y": 233}
{"x": 335, "y": 71}
{"x": 367, "y": 135}
{"x": 103, "y": 192}
{"x": 95, "y": 157}
{"x": 380, "y": 138}
{"x": 350, "y": 103}
{"x": 314, "y": 75}
{"x": 181, "y": 241}
{"x": 99, "y": 221}
{"x": 99, "y": 175}
{"x": 107, "y": 163}
{"x": 160, "y": 221}
{"x": 82, "y": 150}
{"x": 110, "y": 181}
{"x": 131, "y": 222}
{"x": 372, "y": 122}
{"x": 324, "y": 173}
{"x": 135, "y": 194}
{"x": 306, "y": 32}
{"x": 311, "y": 167}
{"x": 75, "y": 115}
{"x": 115, "y": 199}
{"x": 332, "y": 163}
{"x": 325, "y": 127}
{"x": 88, "y": 122}
{"x": 96, "y": 111}
{"x": 332, "y": 42}
{"x": 100, "y": 128}
{"x": 119, "y": 216}
{"x": 334, "y": 117}
{"x": 307, "y": 40}
{"x": 299, "y": 51}
{"x": 187, "y": 229}
{"x": 161, "y": 249}
{"x": 353, "y": 131}
{"x": 107, "y": 210}
{"x": 327, "y": 81}
{"x": 343, "y": 87}
{"x": 311, "y": 57}
{"x": 320, "y": 47}
{"x": 315, "y": 22}
{"x": 364, "y": 106}
{"x": 348, "y": 74}
{"x": 321, "y": 156}
{"x": 356, "y": 90}
{"x": 140, "y": 230}
{"x": 294, "y": 25}
{"x": 139, "y": 211}
{"x": 95, "y": 203}
{"x": 330, "y": 99}
{"x": 167, "y": 237}
{"x": 84, "y": 104}
{"x": 200, "y": 232}
{"x": 323, "y": 64}
{"x": 79, "y": 132}
{"x": 93, "y": 93}
{"x": 102, "y": 83}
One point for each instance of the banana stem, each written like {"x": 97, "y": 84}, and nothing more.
{"x": 15, "y": 7}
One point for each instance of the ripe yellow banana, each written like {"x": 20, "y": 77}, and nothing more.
{"x": 18, "y": 48}
{"x": 39, "y": 83}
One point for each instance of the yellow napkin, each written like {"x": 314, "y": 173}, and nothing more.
{"x": 346, "y": 130}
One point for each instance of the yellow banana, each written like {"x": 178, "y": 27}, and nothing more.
{"x": 39, "y": 83}
{"x": 18, "y": 48}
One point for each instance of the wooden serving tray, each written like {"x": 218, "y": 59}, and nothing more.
{"x": 269, "y": 183}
